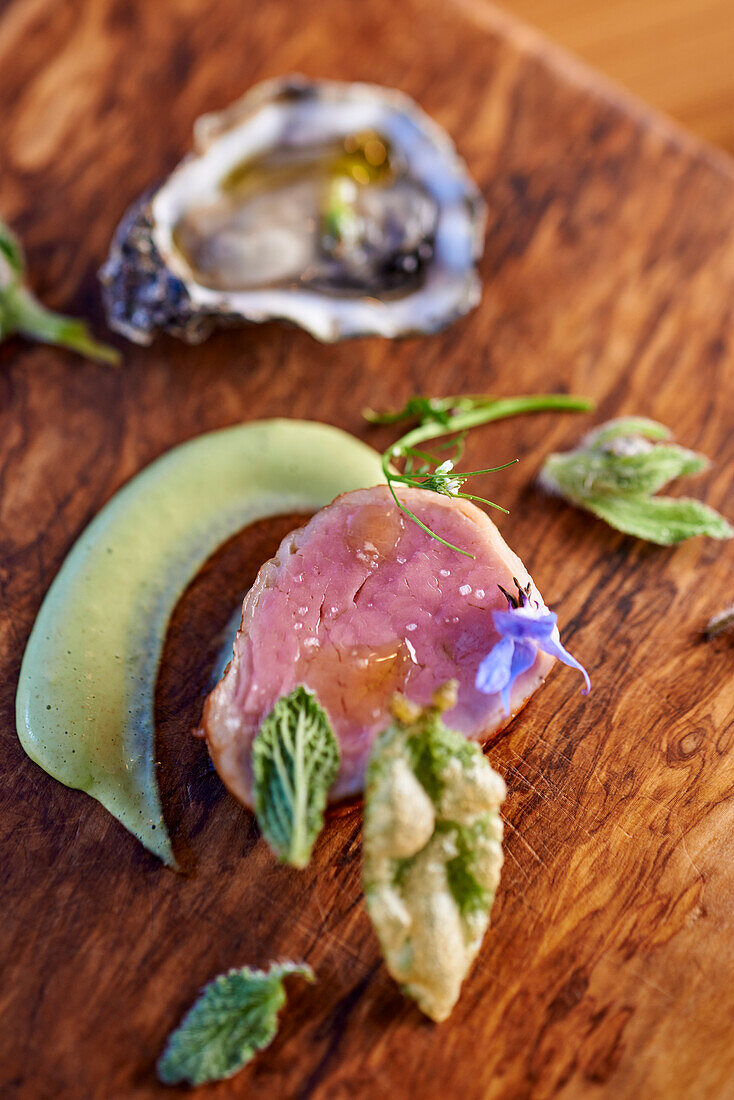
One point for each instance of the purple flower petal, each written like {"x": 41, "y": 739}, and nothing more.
{"x": 522, "y": 658}
{"x": 521, "y": 624}
{"x": 553, "y": 647}
{"x": 494, "y": 671}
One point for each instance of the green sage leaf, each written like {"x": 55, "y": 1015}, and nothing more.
{"x": 295, "y": 758}
{"x": 583, "y": 474}
{"x": 625, "y": 427}
{"x": 662, "y": 520}
{"x": 615, "y": 473}
{"x": 234, "y": 1017}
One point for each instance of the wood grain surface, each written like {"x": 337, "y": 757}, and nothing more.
{"x": 608, "y": 270}
{"x": 676, "y": 54}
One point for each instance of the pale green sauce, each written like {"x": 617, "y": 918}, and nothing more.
{"x": 84, "y": 708}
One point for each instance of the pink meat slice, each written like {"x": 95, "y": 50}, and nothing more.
{"x": 361, "y": 603}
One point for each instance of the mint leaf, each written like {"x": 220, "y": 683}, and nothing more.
{"x": 22, "y": 313}
{"x": 432, "y": 850}
{"x": 295, "y": 758}
{"x": 662, "y": 520}
{"x": 617, "y": 469}
{"x": 235, "y": 1016}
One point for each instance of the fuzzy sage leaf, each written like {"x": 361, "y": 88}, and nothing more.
{"x": 295, "y": 758}
{"x": 662, "y": 520}
{"x": 615, "y": 473}
{"x": 234, "y": 1017}
{"x": 22, "y": 313}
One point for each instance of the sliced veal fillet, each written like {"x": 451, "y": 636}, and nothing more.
{"x": 361, "y": 603}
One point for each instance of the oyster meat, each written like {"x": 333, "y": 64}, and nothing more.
{"x": 341, "y": 208}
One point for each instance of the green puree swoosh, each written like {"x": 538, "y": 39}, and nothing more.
{"x": 84, "y": 708}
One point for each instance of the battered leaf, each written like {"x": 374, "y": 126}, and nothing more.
{"x": 234, "y": 1017}
{"x": 432, "y": 844}
{"x": 295, "y": 758}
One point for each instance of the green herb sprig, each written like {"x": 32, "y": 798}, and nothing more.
{"x": 22, "y": 313}
{"x": 340, "y": 222}
{"x": 234, "y": 1017}
{"x": 615, "y": 473}
{"x": 439, "y": 416}
{"x": 295, "y": 758}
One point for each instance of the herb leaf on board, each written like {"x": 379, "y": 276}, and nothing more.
{"x": 663, "y": 520}
{"x": 438, "y": 416}
{"x": 22, "y": 313}
{"x": 295, "y": 758}
{"x": 615, "y": 473}
{"x": 234, "y": 1017}
{"x": 432, "y": 851}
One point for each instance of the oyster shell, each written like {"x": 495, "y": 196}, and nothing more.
{"x": 341, "y": 208}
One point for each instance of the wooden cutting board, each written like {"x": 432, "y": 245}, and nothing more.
{"x": 608, "y": 271}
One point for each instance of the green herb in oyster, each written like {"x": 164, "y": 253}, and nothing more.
{"x": 235, "y": 1016}
{"x": 616, "y": 471}
{"x": 340, "y": 222}
{"x": 295, "y": 758}
{"x": 432, "y": 850}
{"x": 22, "y": 313}
{"x": 439, "y": 416}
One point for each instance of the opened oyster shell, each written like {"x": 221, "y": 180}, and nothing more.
{"x": 339, "y": 207}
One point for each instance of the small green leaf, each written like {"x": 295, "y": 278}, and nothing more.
{"x": 422, "y": 409}
{"x": 11, "y": 252}
{"x": 617, "y": 469}
{"x": 295, "y": 758}
{"x": 339, "y": 216}
{"x": 583, "y": 474}
{"x": 234, "y": 1017}
{"x": 22, "y": 313}
{"x": 662, "y": 520}
{"x": 648, "y": 473}
{"x": 626, "y": 426}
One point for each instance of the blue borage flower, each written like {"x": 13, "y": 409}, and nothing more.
{"x": 524, "y": 629}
